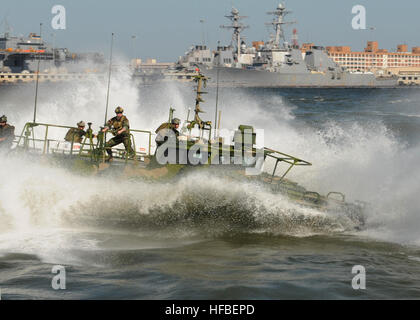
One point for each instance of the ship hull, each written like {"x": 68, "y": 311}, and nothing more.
{"x": 235, "y": 77}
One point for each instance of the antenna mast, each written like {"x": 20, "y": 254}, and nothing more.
{"x": 109, "y": 79}
{"x": 201, "y": 81}
{"x": 237, "y": 27}
{"x": 278, "y": 23}
{"x": 295, "y": 39}
{"x": 7, "y": 28}
{"x": 37, "y": 72}
{"x": 217, "y": 91}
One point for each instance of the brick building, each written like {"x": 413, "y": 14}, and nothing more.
{"x": 373, "y": 58}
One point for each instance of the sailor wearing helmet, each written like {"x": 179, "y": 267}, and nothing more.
{"x": 76, "y": 135}
{"x": 167, "y": 130}
{"x": 120, "y": 128}
{"x": 7, "y": 133}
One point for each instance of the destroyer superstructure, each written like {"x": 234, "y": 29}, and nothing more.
{"x": 275, "y": 63}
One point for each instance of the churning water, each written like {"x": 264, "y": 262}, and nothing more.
{"x": 202, "y": 237}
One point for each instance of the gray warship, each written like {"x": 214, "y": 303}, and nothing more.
{"x": 276, "y": 63}
{"x": 21, "y": 57}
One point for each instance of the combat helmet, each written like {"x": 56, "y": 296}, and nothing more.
{"x": 3, "y": 118}
{"x": 81, "y": 124}
{"x": 176, "y": 121}
{"x": 119, "y": 110}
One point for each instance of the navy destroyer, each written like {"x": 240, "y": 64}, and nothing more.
{"x": 275, "y": 63}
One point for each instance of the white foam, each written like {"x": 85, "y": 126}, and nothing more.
{"x": 363, "y": 160}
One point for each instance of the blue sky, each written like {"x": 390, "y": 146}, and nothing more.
{"x": 165, "y": 29}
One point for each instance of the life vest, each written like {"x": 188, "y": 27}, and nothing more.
{"x": 75, "y": 135}
{"x": 116, "y": 125}
{"x": 164, "y": 131}
{"x": 7, "y": 131}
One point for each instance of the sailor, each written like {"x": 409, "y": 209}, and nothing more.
{"x": 7, "y": 133}
{"x": 120, "y": 128}
{"x": 76, "y": 134}
{"x": 167, "y": 130}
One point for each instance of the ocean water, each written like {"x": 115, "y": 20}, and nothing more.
{"x": 203, "y": 237}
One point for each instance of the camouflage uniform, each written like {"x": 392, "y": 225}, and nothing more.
{"x": 115, "y": 125}
{"x": 165, "y": 131}
{"x": 7, "y": 132}
{"x": 76, "y": 135}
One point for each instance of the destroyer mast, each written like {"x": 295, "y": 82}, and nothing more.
{"x": 278, "y": 23}
{"x": 237, "y": 27}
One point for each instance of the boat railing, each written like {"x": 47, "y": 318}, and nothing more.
{"x": 341, "y": 196}
{"x": 45, "y": 144}
{"x": 283, "y": 157}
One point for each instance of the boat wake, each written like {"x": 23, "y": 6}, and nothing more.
{"x": 212, "y": 207}
{"x": 61, "y": 217}
{"x": 192, "y": 205}
{"x": 42, "y": 206}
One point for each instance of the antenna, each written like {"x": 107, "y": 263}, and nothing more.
{"x": 37, "y": 72}
{"x": 278, "y": 23}
{"x": 295, "y": 39}
{"x": 7, "y": 28}
{"x": 201, "y": 81}
{"x": 202, "y": 31}
{"x": 133, "y": 49}
{"x": 217, "y": 90}
{"x": 109, "y": 78}
{"x": 237, "y": 27}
